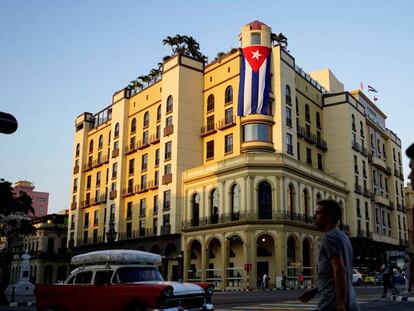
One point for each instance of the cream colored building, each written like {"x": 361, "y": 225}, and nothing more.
{"x": 183, "y": 176}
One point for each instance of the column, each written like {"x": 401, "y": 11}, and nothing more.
{"x": 224, "y": 261}
{"x": 187, "y": 254}
{"x": 204, "y": 252}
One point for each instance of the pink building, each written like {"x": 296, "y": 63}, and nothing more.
{"x": 40, "y": 200}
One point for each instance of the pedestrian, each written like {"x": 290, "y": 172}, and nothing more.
{"x": 264, "y": 278}
{"x": 407, "y": 274}
{"x": 334, "y": 262}
{"x": 267, "y": 282}
{"x": 301, "y": 278}
{"x": 284, "y": 280}
{"x": 387, "y": 273}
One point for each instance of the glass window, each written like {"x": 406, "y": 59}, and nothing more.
{"x": 142, "y": 207}
{"x": 288, "y": 117}
{"x": 228, "y": 97}
{"x": 289, "y": 142}
{"x": 91, "y": 146}
{"x": 144, "y": 162}
{"x": 159, "y": 113}
{"x": 78, "y": 150}
{"x": 167, "y": 199}
{"x": 210, "y": 123}
{"x": 157, "y": 157}
{"x": 168, "y": 121}
{"x": 116, "y": 132}
{"x": 228, "y": 116}
{"x": 146, "y": 119}
{"x": 288, "y": 97}
{"x": 168, "y": 150}
{"x": 100, "y": 142}
{"x": 255, "y": 38}
{"x": 84, "y": 277}
{"x": 256, "y": 132}
{"x": 228, "y": 147}
{"x": 131, "y": 166}
{"x": 210, "y": 103}
{"x": 133, "y": 125}
{"x": 167, "y": 169}
{"x": 169, "y": 104}
{"x": 145, "y": 136}
{"x": 114, "y": 170}
{"x": 210, "y": 149}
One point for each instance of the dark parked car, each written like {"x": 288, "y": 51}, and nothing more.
{"x": 397, "y": 278}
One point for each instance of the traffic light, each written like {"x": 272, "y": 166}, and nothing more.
{"x": 8, "y": 123}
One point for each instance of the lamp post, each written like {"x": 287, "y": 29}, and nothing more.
{"x": 111, "y": 233}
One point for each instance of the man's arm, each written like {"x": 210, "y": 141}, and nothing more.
{"x": 340, "y": 281}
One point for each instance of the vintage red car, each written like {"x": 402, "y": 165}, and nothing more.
{"x": 124, "y": 280}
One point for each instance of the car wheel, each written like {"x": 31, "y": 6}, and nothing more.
{"x": 135, "y": 306}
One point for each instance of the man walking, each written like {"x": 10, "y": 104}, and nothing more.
{"x": 334, "y": 264}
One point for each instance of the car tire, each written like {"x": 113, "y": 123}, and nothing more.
{"x": 135, "y": 306}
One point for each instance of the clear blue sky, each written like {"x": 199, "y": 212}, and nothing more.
{"x": 61, "y": 58}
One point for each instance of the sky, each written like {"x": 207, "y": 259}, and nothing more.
{"x": 59, "y": 59}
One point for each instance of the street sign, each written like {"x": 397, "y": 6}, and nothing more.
{"x": 248, "y": 267}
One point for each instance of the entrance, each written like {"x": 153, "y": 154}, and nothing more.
{"x": 262, "y": 268}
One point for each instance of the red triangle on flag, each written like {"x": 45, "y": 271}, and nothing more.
{"x": 256, "y": 55}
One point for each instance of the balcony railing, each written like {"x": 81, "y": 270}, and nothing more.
{"x": 239, "y": 216}
{"x": 310, "y": 137}
{"x": 128, "y": 191}
{"x": 76, "y": 170}
{"x": 355, "y": 146}
{"x": 87, "y": 166}
{"x": 154, "y": 139}
{"x": 300, "y": 130}
{"x": 130, "y": 148}
{"x": 321, "y": 143}
{"x": 142, "y": 144}
{"x": 115, "y": 153}
{"x": 167, "y": 179}
{"x": 112, "y": 194}
{"x": 208, "y": 129}
{"x": 73, "y": 206}
{"x": 358, "y": 189}
{"x": 100, "y": 160}
{"x": 168, "y": 130}
{"x": 227, "y": 122}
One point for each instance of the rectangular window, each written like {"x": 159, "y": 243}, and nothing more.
{"x": 228, "y": 147}
{"x": 143, "y": 182}
{"x": 168, "y": 121}
{"x": 210, "y": 149}
{"x": 75, "y": 185}
{"x": 255, "y": 39}
{"x": 95, "y": 218}
{"x": 167, "y": 200}
{"x": 142, "y": 207}
{"x": 112, "y": 213}
{"x": 158, "y": 132}
{"x": 298, "y": 150}
{"x": 157, "y": 157}
{"x": 98, "y": 179}
{"x": 145, "y": 136}
{"x": 228, "y": 116}
{"x": 156, "y": 178}
{"x": 288, "y": 117}
{"x": 88, "y": 182}
{"x": 289, "y": 142}
{"x": 154, "y": 226}
{"x": 210, "y": 123}
{"x": 309, "y": 156}
{"x": 155, "y": 209}
{"x": 168, "y": 150}
{"x": 141, "y": 227}
{"x": 166, "y": 219}
{"x": 129, "y": 210}
{"x": 85, "y": 237}
{"x": 144, "y": 162}
{"x": 131, "y": 166}
{"x": 132, "y": 143}
{"x": 86, "y": 220}
{"x": 114, "y": 170}
{"x": 167, "y": 169}
{"x": 129, "y": 230}
{"x": 320, "y": 164}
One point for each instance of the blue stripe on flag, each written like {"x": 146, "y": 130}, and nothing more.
{"x": 265, "y": 108}
{"x": 255, "y": 91}
{"x": 240, "y": 110}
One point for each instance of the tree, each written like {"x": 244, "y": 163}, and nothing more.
{"x": 279, "y": 39}
{"x": 15, "y": 222}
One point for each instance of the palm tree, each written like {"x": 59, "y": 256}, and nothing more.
{"x": 220, "y": 55}
{"x": 154, "y": 75}
{"x": 279, "y": 39}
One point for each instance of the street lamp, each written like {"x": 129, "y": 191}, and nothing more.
{"x": 111, "y": 234}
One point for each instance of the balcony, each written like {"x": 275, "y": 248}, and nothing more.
{"x": 85, "y": 203}
{"x": 388, "y": 170}
{"x": 300, "y": 130}
{"x": 367, "y": 193}
{"x": 167, "y": 179}
{"x": 208, "y": 130}
{"x": 128, "y": 191}
{"x": 141, "y": 188}
{"x": 130, "y": 149}
{"x": 152, "y": 185}
{"x": 310, "y": 137}
{"x": 100, "y": 161}
{"x": 76, "y": 170}
{"x": 381, "y": 200}
{"x": 358, "y": 189}
{"x": 399, "y": 207}
{"x": 115, "y": 153}
{"x": 364, "y": 151}
{"x": 379, "y": 163}
{"x": 355, "y": 146}
{"x": 88, "y": 166}
{"x": 142, "y": 144}
{"x": 168, "y": 130}
{"x": 112, "y": 194}
{"x": 401, "y": 176}
{"x": 227, "y": 122}
{"x": 321, "y": 143}
{"x": 369, "y": 157}
{"x": 154, "y": 139}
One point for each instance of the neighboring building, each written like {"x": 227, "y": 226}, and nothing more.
{"x": 40, "y": 200}
{"x": 49, "y": 262}
{"x": 183, "y": 176}
{"x": 409, "y": 205}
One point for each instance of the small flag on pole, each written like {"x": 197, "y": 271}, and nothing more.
{"x": 372, "y": 89}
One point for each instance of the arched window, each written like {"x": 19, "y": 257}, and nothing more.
{"x": 146, "y": 119}
{"x": 133, "y": 125}
{"x": 307, "y": 113}
{"x": 228, "y": 95}
{"x": 291, "y": 250}
{"x": 288, "y": 97}
{"x": 291, "y": 202}
{"x": 109, "y": 138}
{"x": 195, "y": 206}
{"x": 214, "y": 206}
{"x": 318, "y": 120}
{"x": 169, "y": 104}
{"x": 116, "y": 133}
{"x": 100, "y": 142}
{"x": 159, "y": 113}
{"x": 210, "y": 102}
{"x": 235, "y": 202}
{"x": 265, "y": 200}
{"x": 77, "y": 150}
{"x": 91, "y": 146}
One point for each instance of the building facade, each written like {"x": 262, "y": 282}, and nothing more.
{"x": 49, "y": 262}
{"x": 40, "y": 200}
{"x": 181, "y": 175}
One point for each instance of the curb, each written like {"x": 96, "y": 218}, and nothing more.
{"x": 401, "y": 298}
{"x": 262, "y": 290}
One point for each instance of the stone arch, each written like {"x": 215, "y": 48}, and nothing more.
{"x": 292, "y": 248}
{"x": 214, "y": 205}
{"x": 307, "y": 257}
{"x": 195, "y": 209}
{"x": 194, "y": 260}
{"x": 214, "y": 268}
{"x": 291, "y": 200}
{"x": 235, "y": 202}
{"x": 306, "y": 202}
{"x": 265, "y": 255}
{"x": 62, "y": 273}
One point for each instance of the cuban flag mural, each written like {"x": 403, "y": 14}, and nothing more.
{"x": 254, "y": 80}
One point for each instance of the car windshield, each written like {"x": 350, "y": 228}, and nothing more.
{"x": 138, "y": 274}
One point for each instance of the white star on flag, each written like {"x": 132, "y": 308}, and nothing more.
{"x": 256, "y": 55}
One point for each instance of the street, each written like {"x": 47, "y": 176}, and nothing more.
{"x": 368, "y": 298}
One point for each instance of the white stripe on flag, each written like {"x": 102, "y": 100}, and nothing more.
{"x": 247, "y": 104}
{"x": 262, "y": 83}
